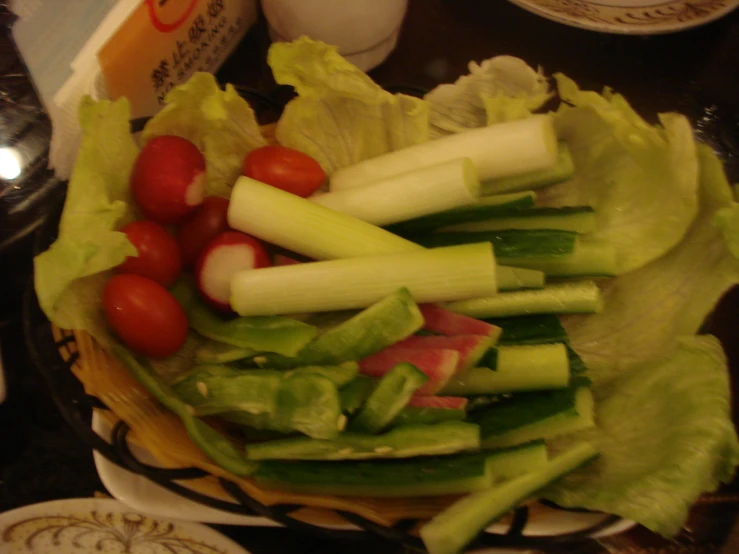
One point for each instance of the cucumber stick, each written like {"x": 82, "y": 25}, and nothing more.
{"x": 427, "y": 415}
{"x": 559, "y": 298}
{"x": 563, "y": 169}
{"x": 588, "y": 259}
{"x": 457, "y": 474}
{"x": 515, "y": 368}
{"x": 531, "y": 329}
{"x": 448, "y": 437}
{"x": 511, "y": 244}
{"x": 305, "y": 227}
{"x": 499, "y": 150}
{"x": 416, "y": 193}
{"x": 528, "y": 416}
{"x": 390, "y": 396}
{"x": 515, "y": 278}
{"x": 484, "y": 208}
{"x": 436, "y": 275}
{"x": 579, "y": 219}
{"x": 455, "y": 527}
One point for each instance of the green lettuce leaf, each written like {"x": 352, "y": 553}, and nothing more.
{"x": 501, "y": 108}
{"x": 641, "y": 179}
{"x": 219, "y": 122}
{"x": 645, "y": 311}
{"x": 70, "y": 275}
{"x": 340, "y": 116}
{"x": 665, "y": 436}
{"x": 499, "y": 89}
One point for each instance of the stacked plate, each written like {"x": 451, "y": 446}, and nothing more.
{"x": 638, "y": 17}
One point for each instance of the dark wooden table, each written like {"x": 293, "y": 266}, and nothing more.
{"x": 695, "y": 72}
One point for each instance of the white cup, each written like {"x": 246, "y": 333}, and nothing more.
{"x": 365, "y": 31}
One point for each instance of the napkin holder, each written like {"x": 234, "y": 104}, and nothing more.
{"x": 107, "y": 49}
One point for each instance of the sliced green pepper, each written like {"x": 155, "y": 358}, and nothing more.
{"x": 304, "y": 400}
{"x": 386, "y": 322}
{"x": 389, "y": 397}
{"x": 281, "y": 335}
{"x": 217, "y": 447}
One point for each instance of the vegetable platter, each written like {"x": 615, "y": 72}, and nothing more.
{"x": 405, "y": 309}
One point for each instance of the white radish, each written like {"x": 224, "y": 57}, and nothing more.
{"x": 224, "y": 256}
{"x": 168, "y": 179}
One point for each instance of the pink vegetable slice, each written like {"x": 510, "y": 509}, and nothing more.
{"x": 471, "y": 348}
{"x": 439, "y": 364}
{"x": 438, "y": 319}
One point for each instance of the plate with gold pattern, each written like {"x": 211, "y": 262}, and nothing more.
{"x": 638, "y": 17}
{"x": 93, "y": 525}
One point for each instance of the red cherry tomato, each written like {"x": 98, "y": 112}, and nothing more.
{"x": 168, "y": 179}
{"x": 207, "y": 221}
{"x": 284, "y": 168}
{"x": 144, "y": 315}
{"x": 158, "y": 254}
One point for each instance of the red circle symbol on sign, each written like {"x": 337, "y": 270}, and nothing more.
{"x": 168, "y": 26}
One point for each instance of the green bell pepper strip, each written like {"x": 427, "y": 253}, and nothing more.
{"x": 217, "y": 447}
{"x": 281, "y": 335}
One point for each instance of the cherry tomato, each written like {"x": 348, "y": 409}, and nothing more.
{"x": 158, "y": 254}
{"x": 168, "y": 179}
{"x": 284, "y": 168}
{"x": 144, "y": 315}
{"x": 207, "y": 221}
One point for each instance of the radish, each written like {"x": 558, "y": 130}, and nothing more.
{"x": 223, "y": 256}
{"x": 471, "y": 348}
{"x": 438, "y": 319}
{"x": 168, "y": 179}
{"x": 204, "y": 223}
{"x": 282, "y": 259}
{"x": 437, "y": 363}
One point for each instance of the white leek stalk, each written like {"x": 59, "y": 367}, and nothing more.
{"x": 435, "y": 275}
{"x": 422, "y": 191}
{"x": 499, "y": 150}
{"x": 302, "y": 226}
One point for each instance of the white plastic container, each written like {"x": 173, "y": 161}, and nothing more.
{"x": 365, "y": 31}
{"x": 139, "y": 49}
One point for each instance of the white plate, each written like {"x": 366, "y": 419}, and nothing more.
{"x": 143, "y": 495}
{"x": 638, "y": 17}
{"x": 94, "y": 525}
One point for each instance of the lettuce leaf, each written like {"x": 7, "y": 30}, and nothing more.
{"x": 665, "y": 435}
{"x": 70, "y": 275}
{"x": 499, "y": 89}
{"x": 645, "y": 311}
{"x": 641, "y": 179}
{"x": 340, "y": 116}
{"x": 219, "y": 122}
